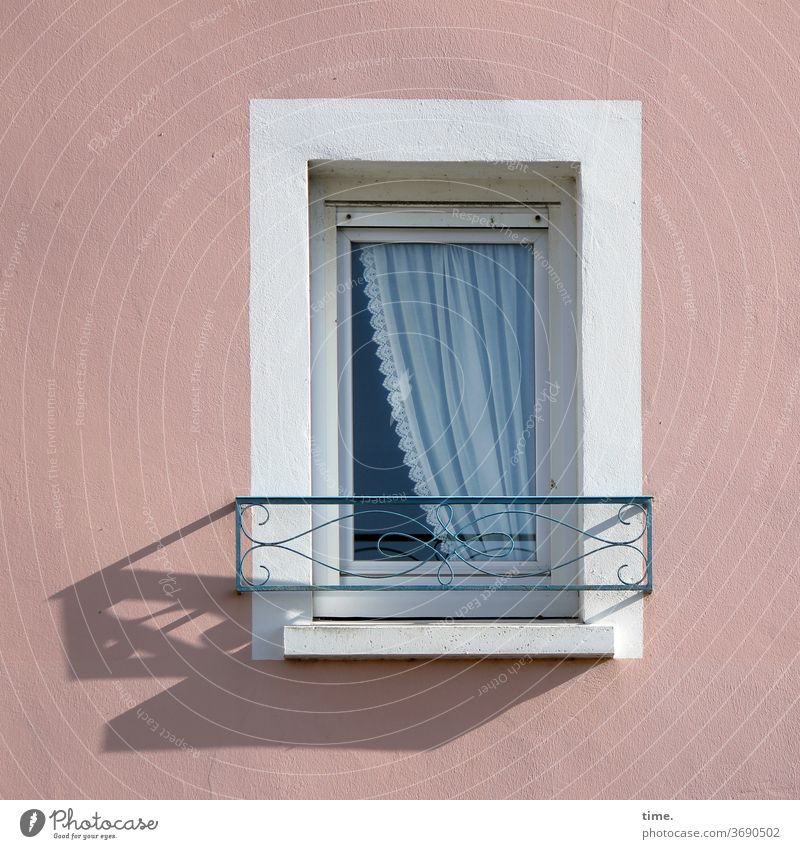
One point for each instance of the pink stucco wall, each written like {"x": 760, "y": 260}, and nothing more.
{"x": 125, "y": 408}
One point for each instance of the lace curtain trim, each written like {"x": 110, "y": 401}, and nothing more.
{"x": 397, "y": 385}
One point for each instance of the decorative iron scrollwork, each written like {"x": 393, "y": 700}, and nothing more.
{"x": 450, "y": 544}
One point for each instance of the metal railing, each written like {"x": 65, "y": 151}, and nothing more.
{"x": 443, "y": 543}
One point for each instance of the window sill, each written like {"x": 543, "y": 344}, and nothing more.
{"x": 405, "y": 640}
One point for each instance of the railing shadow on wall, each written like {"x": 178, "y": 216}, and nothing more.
{"x": 148, "y": 619}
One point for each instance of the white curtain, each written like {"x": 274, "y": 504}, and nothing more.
{"x": 454, "y": 328}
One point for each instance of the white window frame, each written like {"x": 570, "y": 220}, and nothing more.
{"x": 597, "y": 142}
{"x": 520, "y": 224}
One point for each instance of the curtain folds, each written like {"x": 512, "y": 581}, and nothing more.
{"x": 454, "y": 330}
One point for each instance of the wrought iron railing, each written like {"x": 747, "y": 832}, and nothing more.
{"x": 444, "y": 545}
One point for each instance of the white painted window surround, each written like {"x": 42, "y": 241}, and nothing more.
{"x": 544, "y": 146}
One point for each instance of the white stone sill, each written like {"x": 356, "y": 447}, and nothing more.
{"x": 406, "y": 640}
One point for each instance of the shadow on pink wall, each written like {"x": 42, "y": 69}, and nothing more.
{"x": 136, "y": 624}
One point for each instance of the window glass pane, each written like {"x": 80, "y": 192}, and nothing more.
{"x": 443, "y": 392}
{"x": 378, "y": 468}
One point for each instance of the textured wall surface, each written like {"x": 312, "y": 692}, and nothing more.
{"x": 125, "y": 408}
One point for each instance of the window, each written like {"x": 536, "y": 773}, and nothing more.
{"x": 436, "y": 322}
{"x": 439, "y": 382}
{"x": 576, "y": 163}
